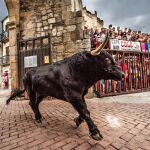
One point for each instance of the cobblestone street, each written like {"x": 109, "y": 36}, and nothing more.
{"x": 124, "y": 126}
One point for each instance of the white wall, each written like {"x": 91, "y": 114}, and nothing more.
{"x": 4, "y": 48}
{"x": 91, "y": 21}
{"x": 5, "y": 23}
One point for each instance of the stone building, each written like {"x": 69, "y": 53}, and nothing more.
{"x": 63, "y": 20}
{"x": 91, "y": 20}
{"x": 4, "y": 51}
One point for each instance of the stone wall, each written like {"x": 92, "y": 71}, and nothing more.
{"x": 64, "y": 20}
{"x": 57, "y": 17}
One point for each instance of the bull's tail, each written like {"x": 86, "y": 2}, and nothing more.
{"x": 14, "y": 95}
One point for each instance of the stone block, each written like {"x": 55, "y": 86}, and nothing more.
{"x": 59, "y": 33}
{"x": 79, "y": 20}
{"x": 59, "y": 48}
{"x": 50, "y": 26}
{"x": 30, "y": 25}
{"x": 60, "y": 58}
{"x": 12, "y": 36}
{"x": 86, "y": 43}
{"x": 70, "y": 46}
{"x": 87, "y": 49}
{"x": 54, "y": 32}
{"x": 60, "y": 28}
{"x": 53, "y": 59}
{"x": 66, "y": 37}
{"x": 37, "y": 35}
{"x": 45, "y": 41}
{"x": 13, "y": 53}
{"x": 46, "y": 28}
{"x": 39, "y": 24}
{"x": 44, "y": 17}
{"x": 50, "y": 15}
{"x": 56, "y": 40}
{"x": 58, "y": 19}
{"x": 29, "y": 33}
{"x": 67, "y": 2}
{"x": 69, "y": 8}
{"x": 71, "y": 28}
{"x": 43, "y": 12}
{"x": 51, "y": 20}
{"x": 66, "y": 55}
{"x": 70, "y": 21}
{"x": 80, "y": 33}
{"x": 78, "y": 45}
{"x": 45, "y": 23}
{"x": 49, "y": 11}
{"x": 38, "y": 29}
{"x": 42, "y": 33}
{"x": 67, "y": 15}
{"x": 73, "y": 35}
{"x": 64, "y": 31}
{"x": 56, "y": 15}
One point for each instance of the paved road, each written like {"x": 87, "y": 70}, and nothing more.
{"x": 136, "y": 98}
{"x": 124, "y": 126}
{"x": 4, "y": 93}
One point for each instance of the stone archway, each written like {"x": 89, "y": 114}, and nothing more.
{"x": 13, "y": 7}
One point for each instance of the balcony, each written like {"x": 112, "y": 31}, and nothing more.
{"x": 4, "y": 37}
{"x": 4, "y": 60}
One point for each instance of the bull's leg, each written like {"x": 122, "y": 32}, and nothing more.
{"x": 81, "y": 107}
{"x": 78, "y": 120}
{"x": 32, "y": 98}
{"x": 34, "y": 105}
{"x": 36, "y": 109}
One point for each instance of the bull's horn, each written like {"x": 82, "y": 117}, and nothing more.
{"x": 98, "y": 50}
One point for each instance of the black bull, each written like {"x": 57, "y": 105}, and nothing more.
{"x": 70, "y": 80}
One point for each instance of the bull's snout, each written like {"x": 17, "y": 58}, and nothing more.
{"x": 121, "y": 72}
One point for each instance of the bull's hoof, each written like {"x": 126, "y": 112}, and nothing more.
{"x": 38, "y": 120}
{"x": 96, "y": 136}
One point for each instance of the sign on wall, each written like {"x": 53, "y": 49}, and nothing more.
{"x": 30, "y": 61}
{"x": 116, "y": 44}
{"x": 46, "y": 59}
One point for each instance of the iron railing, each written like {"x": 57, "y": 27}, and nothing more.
{"x": 137, "y": 79}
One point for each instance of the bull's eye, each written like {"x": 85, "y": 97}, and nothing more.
{"x": 107, "y": 61}
{"x": 107, "y": 64}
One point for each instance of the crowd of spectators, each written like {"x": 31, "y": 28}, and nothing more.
{"x": 116, "y": 33}
{"x": 132, "y": 80}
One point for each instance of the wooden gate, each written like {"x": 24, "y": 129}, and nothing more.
{"x": 33, "y": 52}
